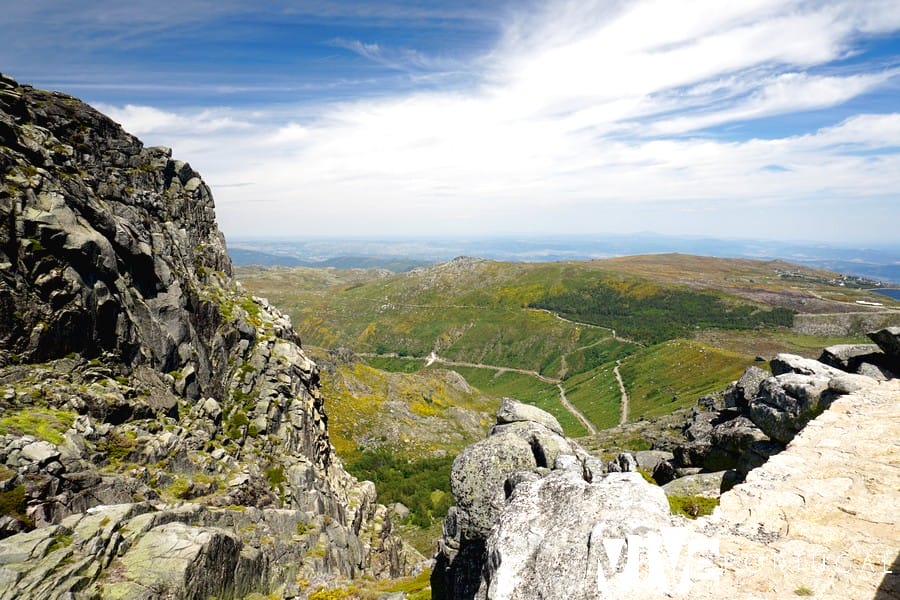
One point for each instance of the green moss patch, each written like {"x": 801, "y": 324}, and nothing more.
{"x": 43, "y": 423}
{"x": 692, "y": 506}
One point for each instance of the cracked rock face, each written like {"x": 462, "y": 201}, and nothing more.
{"x": 135, "y": 372}
{"x": 526, "y": 477}
{"x": 549, "y": 542}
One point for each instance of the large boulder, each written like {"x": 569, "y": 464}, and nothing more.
{"x": 550, "y": 539}
{"x": 791, "y": 363}
{"x": 513, "y": 411}
{"x": 707, "y": 485}
{"x": 848, "y": 357}
{"x": 650, "y": 459}
{"x": 525, "y": 445}
{"x": 757, "y": 454}
{"x": 788, "y": 402}
{"x": 745, "y": 389}
{"x": 888, "y": 339}
{"x": 478, "y": 480}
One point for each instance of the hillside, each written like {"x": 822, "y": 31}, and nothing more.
{"x": 524, "y": 329}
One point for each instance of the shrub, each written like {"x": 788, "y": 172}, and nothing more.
{"x": 13, "y": 504}
{"x": 692, "y": 506}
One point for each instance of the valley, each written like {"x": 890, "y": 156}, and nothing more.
{"x": 415, "y": 364}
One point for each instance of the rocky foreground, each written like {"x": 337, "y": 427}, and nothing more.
{"x": 815, "y": 447}
{"x": 162, "y": 433}
{"x": 821, "y": 517}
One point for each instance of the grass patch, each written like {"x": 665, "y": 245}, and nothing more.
{"x": 13, "y": 504}
{"x": 395, "y": 365}
{"x": 767, "y": 344}
{"x": 524, "y": 388}
{"x": 673, "y": 375}
{"x": 180, "y": 488}
{"x": 414, "y": 588}
{"x": 43, "y": 423}
{"x": 117, "y": 446}
{"x": 692, "y": 506}
{"x": 596, "y": 394}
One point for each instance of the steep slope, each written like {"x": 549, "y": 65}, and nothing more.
{"x": 160, "y": 381}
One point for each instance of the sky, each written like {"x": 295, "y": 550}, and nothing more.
{"x": 762, "y": 119}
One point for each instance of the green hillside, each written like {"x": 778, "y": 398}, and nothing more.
{"x": 431, "y": 352}
{"x": 681, "y": 326}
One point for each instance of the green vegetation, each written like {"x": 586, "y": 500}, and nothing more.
{"x": 415, "y": 588}
{"x": 677, "y": 327}
{"x": 596, "y": 394}
{"x": 43, "y": 423}
{"x": 673, "y": 375}
{"x": 237, "y": 423}
{"x": 13, "y": 504}
{"x": 60, "y": 541}
{"x": 658, "y": 380}
{"x": 692, "y": 506}
{"x": 653, "y": 314}
{"x": 769, "y": 343}
{"x": 804, "y": 591}
{"x": 395, "y": 365}
{"x": 424, "y": 405}
{"x": 423, "y": 486}
{"x": 275, "y": 476}
{"x": 180, "y": 488}
{"x": 524, "y": 388}
{"x": 648, "y": 477}
{"x": 117, "y": 446}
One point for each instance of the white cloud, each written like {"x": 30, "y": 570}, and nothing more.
{"x": 578, "y": 124}
{"x": 143, "y": 120}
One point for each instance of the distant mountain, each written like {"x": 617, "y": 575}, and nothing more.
{"x": 398, "y": 255}
{"x": 245, "y": 257}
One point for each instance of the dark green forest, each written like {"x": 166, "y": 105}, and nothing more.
{"x": 423, "y": 485}
{"x": 662, "y": 316}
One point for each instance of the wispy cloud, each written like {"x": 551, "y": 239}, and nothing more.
{"x": 585, "y": 116}
{"x": 401, "y": 59}
{"x": 781, "y": 94}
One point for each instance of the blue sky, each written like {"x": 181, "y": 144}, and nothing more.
{"x": 754, "y": 119}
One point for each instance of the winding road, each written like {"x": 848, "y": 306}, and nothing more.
{"x": 564, "y": 367}
{"x": 577, "y": 413}
{"x": 434, "y": 358}
{"x": 623, "y": 413}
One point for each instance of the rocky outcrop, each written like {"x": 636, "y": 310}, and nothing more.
{"x": 738, "y": 430}
{"x": 817, "y": 519}
{"x": 135, "y": 372}
{"x": 549, "y": 539}
{"x": 525, "y": 471}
